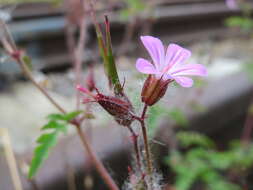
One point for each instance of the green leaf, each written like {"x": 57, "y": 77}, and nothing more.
{"x": 188, "y": 138}
{"x": 55, "y": 125}
{"x": 71, "y": 115}
{"x": 215, "y": 181}
{"x": 64, "y": 117}
{"x": 55, "y": 116}
{"x": 111, "y": 67}
{"x": 41, "y": 152}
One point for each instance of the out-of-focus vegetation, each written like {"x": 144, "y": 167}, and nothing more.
{"x": 244, "y": 23}
{"x": 134, "y": 8}
{"x": 157, "y": 112}
{"x": 204, "y": 165}
{"x": 29, "y": 1}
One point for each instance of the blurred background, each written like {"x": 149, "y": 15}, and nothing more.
{"x": 191, "y": 129}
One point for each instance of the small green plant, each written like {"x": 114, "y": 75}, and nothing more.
{"x": 202, "y": 164}
{"x": 244, "y": 23}
{"x": 133, "y": 8}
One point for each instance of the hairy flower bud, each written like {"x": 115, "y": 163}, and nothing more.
{"x": 154, "y": 89}
{"x": 121, "y": 110}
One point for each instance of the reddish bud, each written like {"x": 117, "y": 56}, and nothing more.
{"x": 153, "y": 89}
{"x": 121, "y": 110}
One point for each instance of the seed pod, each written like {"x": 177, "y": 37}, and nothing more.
{"x": 153, "y": 90}
{"x": 121, "y": 110}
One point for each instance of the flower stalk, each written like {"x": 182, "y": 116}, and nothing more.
{"x": 145, "y": 139}
{"x": 99, "y": 166}
{"x": 136, "y": 146}
{"x": 18, "y": 56}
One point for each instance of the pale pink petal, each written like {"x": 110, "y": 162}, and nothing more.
{"x": 165, "y": 76}
{"x": 175, "y": 54}
{"x": 155, "y": 49}
{"x": 145, "y": 66}
{"x": 232, "y": 4}
{"x": 184, "y": 81}
{"x": 189, "y": 69}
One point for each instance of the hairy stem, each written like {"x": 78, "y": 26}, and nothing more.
{"x": 98, "y": 164}
{"x": 145, "y": 138}
{"x": 136, "y": 147}
{"x": 28, "y": 74}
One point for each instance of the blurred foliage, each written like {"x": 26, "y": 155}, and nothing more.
{"x": 192, "y": 138}
{"x": 199, "y": 83}
{"x": 244, "y": 23}
{"x": 248, "y": 68}
{"x": 178, "y": 117}
{"x": 157, "y": 112}
{"x": 57, "y": 124}
{"x": 29, "y": 1}
{"x": 133, "y": 8}
{"x": 203, "y": 164}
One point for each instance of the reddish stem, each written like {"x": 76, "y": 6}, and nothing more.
{"x": 136, "y": 147}
{"x": 99, "y": 166}
{"x": 78, "y": 57}
{"x": 145, "y": 138}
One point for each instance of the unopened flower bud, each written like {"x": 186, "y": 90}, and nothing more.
{"x": 153, "y": 89}
{"x": 120, "y": 109}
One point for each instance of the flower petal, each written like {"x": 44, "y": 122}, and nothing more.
{"x": 144, "y": 66}
{"x": 165, "y": 76}
{"x": 232, "y": 4}
{"x": 176, "y": 54}
{"x": 155, "y": 49}
{"x": 184, "y": 81}
{"x": 189, "y": 69}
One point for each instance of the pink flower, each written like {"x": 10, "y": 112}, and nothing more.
{"x": 232, "y": 4}
{"x": 169, "y": 65}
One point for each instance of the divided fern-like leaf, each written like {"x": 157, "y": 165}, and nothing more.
{"x": 41, "y": 152}
{"x": 57, "y": 124}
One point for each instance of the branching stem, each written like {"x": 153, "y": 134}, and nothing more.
{"x": 98, "y": 164}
